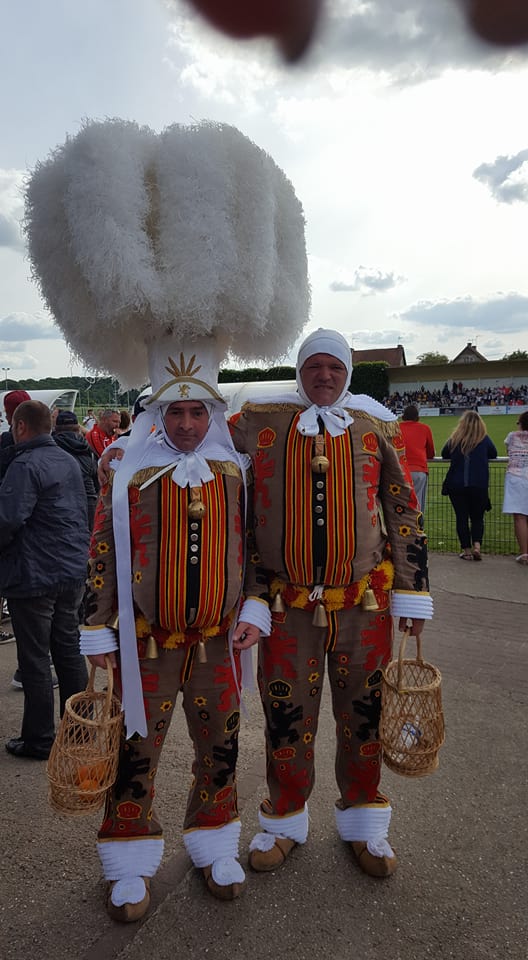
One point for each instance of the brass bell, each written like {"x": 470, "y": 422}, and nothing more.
{"x": 113, "y": 623}
{"x": 369, "y": 601}
{"x": 278, "y": 603}
{"x": 320, "y": 463}
{"x": 202, "y": 652}
{"x": 196, "y": 509}
{"x": 151, "y": 650}
{"x": 319, "y": 618}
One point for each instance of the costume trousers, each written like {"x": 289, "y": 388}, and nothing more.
{"x": 211, "y": 706}
{"x": 43, "y": 625}
{"x": 354, "y": 647}
{"x": 469, "y": 504}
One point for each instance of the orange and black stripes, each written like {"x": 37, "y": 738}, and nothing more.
{"x": 341, "y": 514}
{"x": 209, "y": 566}
{"x": 337, "y": 517}
{"x": 298, "y": 526}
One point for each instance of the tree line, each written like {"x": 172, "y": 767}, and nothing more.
{"x": 96, "y": 392}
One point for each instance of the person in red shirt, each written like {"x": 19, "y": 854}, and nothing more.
{"x": 419, "y": 446}
{"x": 100, "y": 436}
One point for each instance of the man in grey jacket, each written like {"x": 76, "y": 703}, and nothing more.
{"x": 43, "y": 561}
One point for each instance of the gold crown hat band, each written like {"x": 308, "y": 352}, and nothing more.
{"x": 191, "y": 380}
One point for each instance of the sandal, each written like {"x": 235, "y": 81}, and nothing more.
{"x": 522, "y": 558}
{"x": 128, "y": 912}
{"x": 264, "y": 860}
{"x": 476, "y": 555}
{"x": 465, "y": 556}
{"x": 373, "y": 866}
{"x": 229, "y": 891}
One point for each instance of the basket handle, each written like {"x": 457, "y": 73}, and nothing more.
{"x": 405, "y": 636}
{"x": 109, "y": 684}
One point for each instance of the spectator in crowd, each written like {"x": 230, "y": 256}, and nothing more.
{"x": 419, "y": 448}
{"x": 104, "y": 431}
{"x": 469, "y": 449}
{"x": 124, "y": 423}
{"x": 89, "y": 420}
{"x": 179, "y": 503}
{"x": 43, "y": 558}
{"x": 7, "y": 449}
{"x": 11, "y": 402}
{"x": 325, "y": 463}
{"x": 68, "y": 435}
{"x": 516, "y": 484}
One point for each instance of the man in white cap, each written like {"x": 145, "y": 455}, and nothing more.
{"x": 168, "y": 541}
{"x": 339, "y": 548}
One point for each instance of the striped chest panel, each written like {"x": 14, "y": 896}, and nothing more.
{"x": 319, "y": 537}
{"x": 193, "y": 556}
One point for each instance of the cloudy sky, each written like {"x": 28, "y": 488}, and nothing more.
{"x": 403, "y": 136}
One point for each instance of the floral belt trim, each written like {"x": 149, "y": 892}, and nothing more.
{"x": 171, "y": 640}
{"x": 380, "y": 580}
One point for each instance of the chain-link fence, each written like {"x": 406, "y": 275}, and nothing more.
{"x": 440, "y": 517}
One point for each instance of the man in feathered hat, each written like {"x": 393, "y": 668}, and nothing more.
{"x": 159, "y": 254}
{"x": 169, "y": 542}
{"x": 339, "y": 548}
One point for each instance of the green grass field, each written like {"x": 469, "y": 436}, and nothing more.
{"x": 497, "y": 425}
{"x": 439, "y": 515}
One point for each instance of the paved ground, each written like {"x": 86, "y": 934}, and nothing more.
{"x": 460, "y": 834}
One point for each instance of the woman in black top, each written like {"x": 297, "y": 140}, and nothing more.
{"x": 469, "y": 449}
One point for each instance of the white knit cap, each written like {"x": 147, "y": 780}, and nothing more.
{"x": 324, "y": 341}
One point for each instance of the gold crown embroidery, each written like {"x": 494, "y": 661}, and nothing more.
{"x": 183, "y": 370}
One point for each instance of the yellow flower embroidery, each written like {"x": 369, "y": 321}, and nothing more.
{"x": 138, "y": 576}
{"x": 208, "y": 762}
{"x": 200, "y": 701}
{"x": 313, "y": 677}
{"x": 308, "y": 737}
{"x": 395, "y": 489}
{"x": 166, "y": 705}
{"x": 98, "y": 583}
{"x": 405, "y": 531}
{"x": 103, "y": 547}
{"x": 204, "y": 796}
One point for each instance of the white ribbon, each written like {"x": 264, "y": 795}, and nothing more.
{"x": 190, "y": 469}
{"x": 336, "y": 420}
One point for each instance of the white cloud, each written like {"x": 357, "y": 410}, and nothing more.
{"x": 20, "y": 327}
{"x": 506, "y": 177}
{"x": 505, "y": 312}
{"x": 11, "y": 208}
{"x": 368, "y": 281}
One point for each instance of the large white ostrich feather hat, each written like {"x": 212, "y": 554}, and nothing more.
{"x": 191, "y": 234}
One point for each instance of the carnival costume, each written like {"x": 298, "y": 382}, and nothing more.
{"x": 336, "y": 524}
{"x": 199, "y": 251}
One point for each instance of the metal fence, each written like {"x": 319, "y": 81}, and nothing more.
{"x": 440, "y": 517}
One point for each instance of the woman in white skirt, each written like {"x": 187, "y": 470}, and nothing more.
{"x": 516, "y": 484}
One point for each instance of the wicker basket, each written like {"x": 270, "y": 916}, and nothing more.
{"x": 83, "y": 761}
{"x": 412, "y": 720}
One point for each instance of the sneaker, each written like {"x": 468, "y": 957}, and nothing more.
{"x": 6, "y": 637}
{"x": 17, "y": 684}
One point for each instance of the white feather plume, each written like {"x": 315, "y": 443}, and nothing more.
{"x": 195, "y": 230}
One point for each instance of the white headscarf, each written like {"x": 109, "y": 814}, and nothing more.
{"x": 334, "y": 417}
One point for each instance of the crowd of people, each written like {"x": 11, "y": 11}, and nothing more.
{"x": 459, "y": 395}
